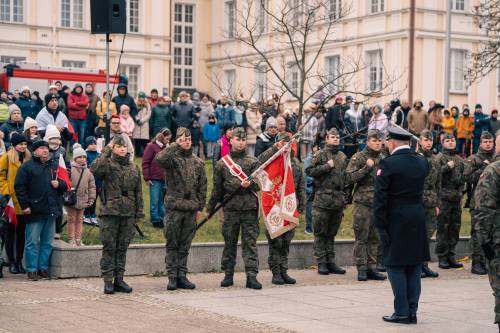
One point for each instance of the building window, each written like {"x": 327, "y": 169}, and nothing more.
{"x": 375, "y": 70}
{"x": 73, "y": 64}
{"x": 178, "y": 34}
{"x": 177, "y": 77}
{"x": 459, "y": 5}
{"x": 12, "y": 10}
{"x": 11, "y": 59}
{"x": 230, "y": 16}
{"x": 332, "y": 64}
{"x": 188, "y": 77}
{"x": 335, "y": 9}
{"x": 458, "y": 63}
{"x": 376, "y": 6}
{"x": 72, "y": 14}
{"x": 294, "y": 78}
{"x": 188, "y": 13}
{"x": 133, "y": 15}
{"x": 178, "y": 13}
{"x": 296, "y": 8}
{"x": 177, "y": 56}
{"x": 188, "y": 35}
{"x": 261, "y": 15}
{"x": 230, "y": 81}
{"x": 188, "y": 56}
{"x": 260, "y": 84}
{"x": 132, "y": 73}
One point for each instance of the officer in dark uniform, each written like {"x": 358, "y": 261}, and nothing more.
{"x": 400, "y": 221}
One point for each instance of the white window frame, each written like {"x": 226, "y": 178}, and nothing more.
{"x": 458, "y": 70}
{"x": 293, "y": 78}
{"x": 374, "y": 70}
{"x": 375, "y": 6}
{"x": 177, "y": 55}
{"x": 133, "y": 22}
{"x": 260, "y": 83}
{"x": 76, "y": 14}
{"x": 184, "y": 21}
{"x": 230, "y": 18}
{"x": 456, "y": 3}
{"x": 335, "y": 9}
{"x": 230, "y": 81}
{"x": 73, "y": 63}
{"x": 297, "y": 8}
{"x": 178, "y": 77}
{"x": 188, "y": 56}
{"x": 133, "y": 73}
{"x": 178, "y": 14}
{"x": 261, "y": 15}
{"x": 7, "y": 59}
{"x": 332, "y": 70}
{"x": 10, "y": 12}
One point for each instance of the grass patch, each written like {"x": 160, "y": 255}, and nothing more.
{"x": 211, "y": 231}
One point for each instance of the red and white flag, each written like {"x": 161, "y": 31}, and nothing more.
{"x": 278, "y": 200}
{"x": 10, "y": 212}
{"x": 62, "y": 173}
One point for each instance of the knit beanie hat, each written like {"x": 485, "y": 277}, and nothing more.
{"x": 91, "y": 140}
{"x": 39, "y": 143}
{"x": 78, "y": 151}
{"x": 12, "y": 108}
{"x": 29, "y": 123}
{"x": 51, "y": 132}
{"x": 17, "y": 138}
{"x": 271, "y": 122}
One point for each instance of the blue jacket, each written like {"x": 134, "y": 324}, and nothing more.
{"x": 211, "y": 132}
{"x": 28, "y": 107}
{"x": 10, "y": 127}
{"x": 224, "y": 115}
{"x": 91, "y": 156}
{"x": 309, "y": 180}
{"x": 481, "y": 124}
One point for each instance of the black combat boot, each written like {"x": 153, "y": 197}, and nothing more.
{"x": 287, "y": 278}
{"x": 227, "y": 281}
{"x": 121, "y": 286}
{"x": 362, "y": 276}
{"x": 108, "y": 287}
{"x": 172, "y": 283}
{"x": 427, "y": 272}
{"x": 443, "y": 263}
{"x": 323, "y": 269}
{"x": 277, "y": 278}
{"x": 13, "y": 269}
{"x": 252, "y": 283}
{"x": 334, "y": 269}
{"x": 380, "y": 267}
{"x": 453, "y": 263}
{"x": 184, "y": 283}
{"x": 478, "y": 268}
{"x": 374, "y": 275}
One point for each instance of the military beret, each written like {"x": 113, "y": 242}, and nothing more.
{"x": 448, "y": 136}
{"x": 118, "y": 139}
{"x": 373, "y": 134}
{"x": 332, "y": 131}
{"x": 398, "y": 133}
{"x": 183, "y": 131}
{"x": 239, "y": 132}
{"x": 486, "y": 135}
{"x": 426, "y": 134}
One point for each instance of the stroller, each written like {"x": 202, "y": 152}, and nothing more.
{"x": 4, "y": 225}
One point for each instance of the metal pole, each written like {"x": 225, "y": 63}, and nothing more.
{"x": 107, "y": 76}
{"x": 447, "y": 57}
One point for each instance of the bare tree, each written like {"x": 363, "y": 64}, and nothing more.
{"x": 487, "y": 58}
{"x": 287, "y": 38}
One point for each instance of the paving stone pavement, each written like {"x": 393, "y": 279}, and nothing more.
{"x": 455, "y": 302}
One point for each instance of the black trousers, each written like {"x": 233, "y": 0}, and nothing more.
{"x": 14, "y": 241}
{"x": 405, "y": 283}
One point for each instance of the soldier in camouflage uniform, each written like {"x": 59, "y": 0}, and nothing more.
{"x": 328, "y": 168}
{"x": 487, "y": 226}
{"x": 475, "y": 166}
{"x": 121, "y": 207}
{"x": 452, "y": 186}
{"x": 185, "y": 197}
{"x": 432, "y": 187}
{"x": 241, "y": 212}
{"x": 361, "y": 172}
{"x": 279, "y": 247}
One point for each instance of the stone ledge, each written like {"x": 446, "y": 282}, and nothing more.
{"x": 69, "y": 262}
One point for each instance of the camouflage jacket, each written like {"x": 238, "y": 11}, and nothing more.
{"x": 432, "y": 184}
{"x": 453, "y": 179}
{"x": 487, "y": 196}
{"x": 362, "y": 176}
{"x": 225, "y": 184}
{"x": 475, "y": 166}
{"x": 329, "y": 182}
{"x": 298, "y": 177}
{"x": 186, "y": 177}
{"x": 121, "y": 185}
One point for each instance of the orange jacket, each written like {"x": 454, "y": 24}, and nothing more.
{"x": 448, "y": 124}
{"x": 465, "y": 126}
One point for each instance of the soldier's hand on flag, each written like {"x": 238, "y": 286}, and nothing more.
{"x": 280, "y": 144}
{"x": 486, "y": 162}
{"x": 245, "y": 183}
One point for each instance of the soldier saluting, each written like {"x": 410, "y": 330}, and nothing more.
{"x": 122, "y": 206}
{"x": 241, "y": 212}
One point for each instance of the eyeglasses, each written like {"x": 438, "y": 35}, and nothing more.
{"x": 115, "y": 123}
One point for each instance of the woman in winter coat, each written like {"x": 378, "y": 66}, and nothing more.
{"x": 161, "y": 116}
{"x": 78, "y": 102}
{"x": 465, "y": 128}
{"x": 254, "y": 122}
{"x": 82, "y": 178}
{"x": 9, "y": 164}
{"x": 141, "y": 129}
{"x": 100, "y": 111}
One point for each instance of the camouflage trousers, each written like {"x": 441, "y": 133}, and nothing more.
{"x": 279, "y": 248}
{"x": 180, "y": 228}
{"x": 326, "y": 223}
{"x": 475, "y": 246}
{"x": 248, "y": 222}
{"x": 494, "y": 277}
{"x": 448, "y": 229}
{"x": 116, "y": 232}
{"x": 366, "y": 240}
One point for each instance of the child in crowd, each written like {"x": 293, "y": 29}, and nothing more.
{"x": 90, "y": 216}
{"x": 211, "y": 134}
{"x": 31, "y": 131}
{"x": 83, "y": 182}
{"x": 127, "y": 122}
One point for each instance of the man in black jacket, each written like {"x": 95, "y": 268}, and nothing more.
{"x": 400, "y": 221}
{"x": 124, "y": 98}
{"x": 268, "y": 138}
{"x": 39, "y": 193}
{"x": 183, "y": 112}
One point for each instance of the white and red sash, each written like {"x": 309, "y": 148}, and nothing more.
{"x": 234, "y": 168}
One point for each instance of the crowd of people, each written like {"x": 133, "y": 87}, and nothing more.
{"x": 335, "y": 162}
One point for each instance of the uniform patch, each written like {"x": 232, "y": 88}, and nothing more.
{"x": 379, "y": 172}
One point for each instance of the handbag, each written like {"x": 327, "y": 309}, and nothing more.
{"x": 69, "y": 197}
